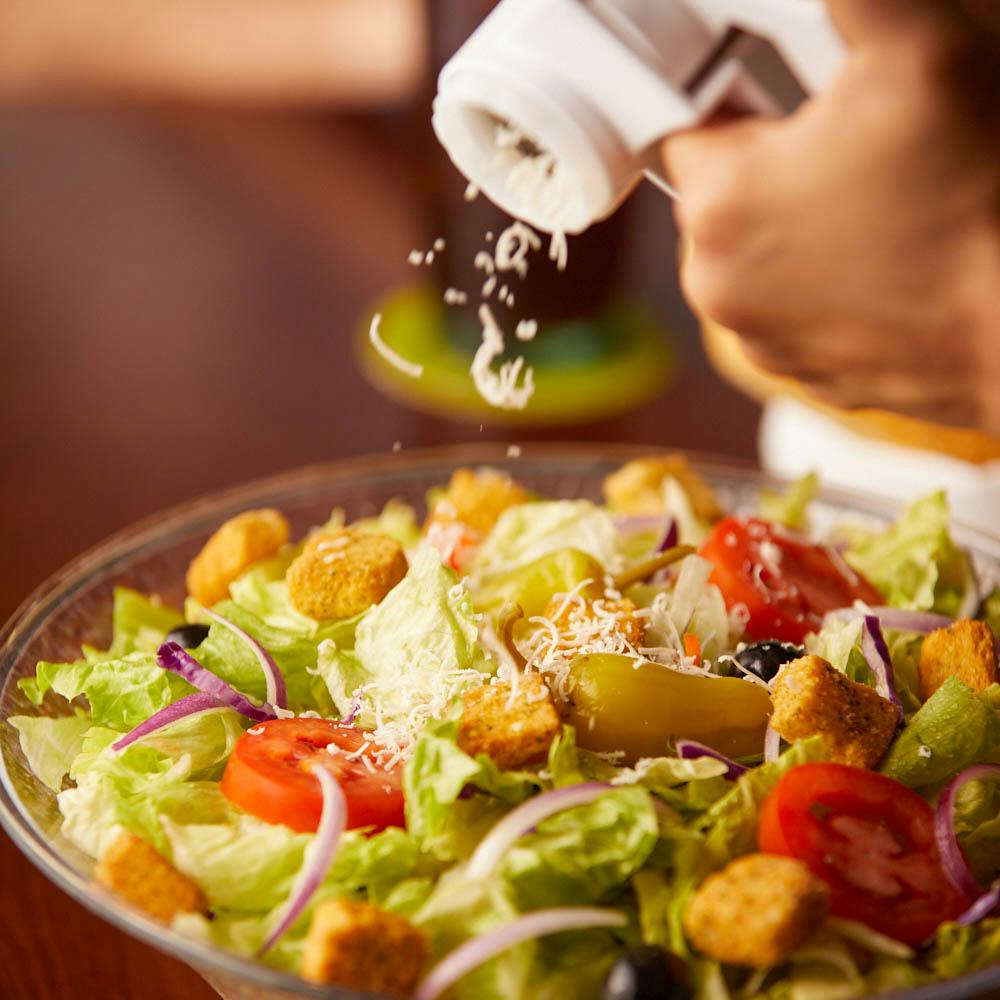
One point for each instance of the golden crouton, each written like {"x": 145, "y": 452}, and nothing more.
{"x": 637, "y": 487}
{"x": 513, "y": 731}
{"x": 340, "y": 574}
{"x": 233, "y": 549}
{"x": 584, "y": 615}
{"x": 478, "y": 497}
{"x": 812, "y": 698}
{"x": 144, "y": 877}
{"x": 361, "y": 947}
{"x": 756, "y": 911}
{"x": 967, "y": 650}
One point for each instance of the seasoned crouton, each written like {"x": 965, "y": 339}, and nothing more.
{"x": 362, "y": 947}
{"x": 812, "y": 698}
{"x": 340, "y": 574}
{"x": 756, "y": 911}
{"x": 584, "y": 615}
{"x": 637, "y": 487}
{"x": 233, "y": 549}
{"x": 477, "y": 498}
{"x": 967, "y": 650}
{"x": 514, "y": 730}
{"x": 139, "y": 873}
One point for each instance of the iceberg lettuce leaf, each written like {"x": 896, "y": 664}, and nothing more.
{"x": 529, "y": 531}
{"x": 954, "y": 729}
{"x": 49, "y": 745}
{"x": 915, "y": 563}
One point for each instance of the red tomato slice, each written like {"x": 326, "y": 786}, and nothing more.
{"x": 268, "y": 775}
{"x": 786, "y": 582}
{"x": 871, "y": 840}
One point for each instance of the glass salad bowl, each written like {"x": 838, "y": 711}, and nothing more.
{"x": 74, "y": 607}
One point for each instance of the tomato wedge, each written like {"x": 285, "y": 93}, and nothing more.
{"x": 786, "y": 582}
{"x": 871, "y": 840}
{"x": 268, "y": 775}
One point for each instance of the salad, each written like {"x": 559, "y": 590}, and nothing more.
{"x": 548, "y": 748}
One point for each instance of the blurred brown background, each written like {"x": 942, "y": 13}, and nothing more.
{"x": 197, "y": 204}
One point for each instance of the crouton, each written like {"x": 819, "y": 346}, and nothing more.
{"x": 361, "y": 947}
{"x": 477, "y": 498}
{"x": 756, "y": 911}
{"x": 967, "y": 650}
{"x": 233, "y": 549}
{"x": 637, "y": 487}
{"x": 813, "y": 698}
{"x": 141, "y": 875}
{"x": 513, "y": 731}
{"x": 340, "y": 574}
{"x": 583, "y": 616}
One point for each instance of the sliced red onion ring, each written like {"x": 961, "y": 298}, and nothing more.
{"x": 670, "y": 536}
{"x": 629, "y": 524}
{"x": 876, "y": 652}
{"x": 317, "y": 858}
{"x": 772, "y": 744}
{"x": 276, "y": 692}
{"x": 983, "y": 907}
{"x": 348, "y": 720}
{"x": 191, "y": 704}
{"x": 692, "y": 750}
{"x": 474, "y": 953}
{"x": 178, "y": 661}
{"x": 897, "y": 619}
{"x": 526, "y": 817}
{"x": 952, "y": 859}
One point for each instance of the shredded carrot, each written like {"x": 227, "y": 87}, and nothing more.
{"x": 692, "y": 647}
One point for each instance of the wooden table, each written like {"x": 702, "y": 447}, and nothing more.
{"x": 176, "y": 293}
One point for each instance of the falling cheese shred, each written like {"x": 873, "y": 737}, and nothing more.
{"x": 394, "y": 359}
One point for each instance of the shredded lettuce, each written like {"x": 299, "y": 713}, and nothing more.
{"x": 959, "y": 950}
{"x": 730, "y": 825}
{"x": 915, "y": 563}
{"x": 581, "y": 855}
{"x": 434, "y": 779}
{"x": 792, "y": 506}
{"x": 423, "y": 631}
{"x": 398, "y": 520}
{"x": 529, "y": 531}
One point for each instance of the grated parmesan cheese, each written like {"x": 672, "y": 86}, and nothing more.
{"x": 526, "y": 329}
{"x": 394, "y": 359}
{"x": 499, "y": 388}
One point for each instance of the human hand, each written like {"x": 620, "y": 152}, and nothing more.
{"x": 855, "y": 245}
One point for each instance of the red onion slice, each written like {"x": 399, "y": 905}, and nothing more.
{"x": 317, "y": 858}
{"x": 474, "y": 953}
{"x": 178, "y": 661}
{"x": 191, "y": 704}
{"x": 772, "y": 744}
{"x": 276, "y": 692}
{"x": 876, "y": 652}
{"x": 348, "y": 720}
{"x": 952, "y": 859}
{"x": 899, "y": 620}
{"x": 983, "y": 907}
{"x": 670, "y": 536}
{"x": 692, "y": 750}
{"x": 526, "y": 817}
